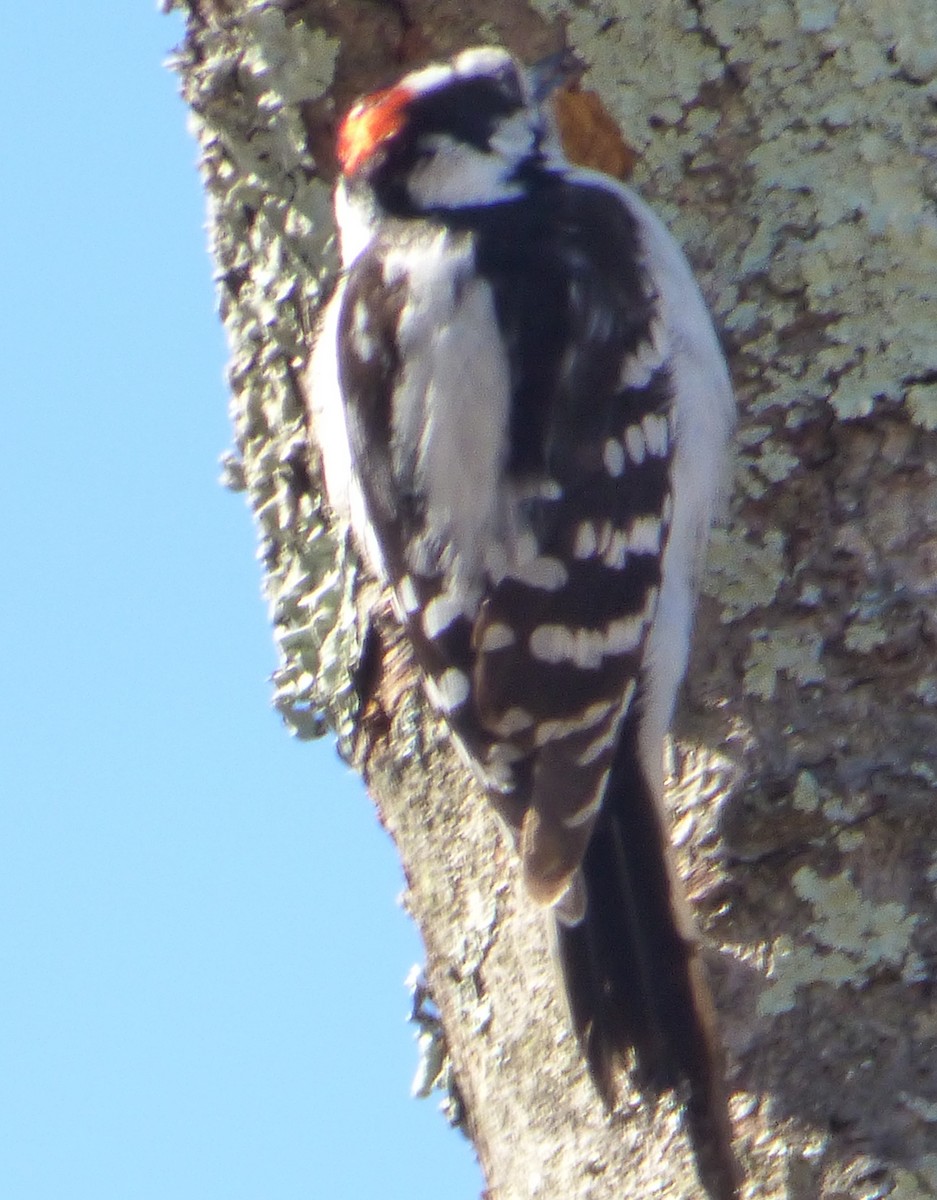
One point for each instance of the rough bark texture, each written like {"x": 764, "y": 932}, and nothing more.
{"x": 790, "y": 146}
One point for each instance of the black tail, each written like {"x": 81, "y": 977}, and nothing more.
{"x": 634, "y": 978}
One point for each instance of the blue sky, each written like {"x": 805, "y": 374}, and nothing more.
{"x": 201, "y": 954}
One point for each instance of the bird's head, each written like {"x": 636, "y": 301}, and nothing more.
{"x": 453, "y": 135}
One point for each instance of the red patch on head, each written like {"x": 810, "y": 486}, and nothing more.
{"x": 370, "y": 123}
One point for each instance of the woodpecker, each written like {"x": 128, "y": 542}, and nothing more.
{"x": 523, "y": 413}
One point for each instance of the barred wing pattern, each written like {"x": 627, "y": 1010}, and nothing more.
{"x": 528, "y": 608}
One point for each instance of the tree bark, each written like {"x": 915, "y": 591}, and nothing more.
{"x": 790, "y": 147}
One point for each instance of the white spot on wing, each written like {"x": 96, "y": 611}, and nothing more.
{"x": 513, "y": 720}
{"x": 504, "y": 752}
{"x": 448, "y": 690}
{"x": 635, "y": 444}
{"x": 439, "y": 614}
{"x": 644, "y": 535}
{"x": 586, "y": 648}
{"x": 550, "y": 731}
{"x": 625, "y": 634}
{"x": 656, "y": 434}
{"x": 549, "y": 643}
{"x": 606, "y": 738}
{"x": 639, "y": 368}
{"x": 596, "y": 748}
{"x": 616, "y": 553}
{"x": 538, "y": 489}
{"x": 543, "y": 572}
{"x": 496, "y": 636}
{"x": 604, "y": 534}
{"x": 407, "y": 593}
{"x": 585, "y": 543}
{"x": 613, "y": 455}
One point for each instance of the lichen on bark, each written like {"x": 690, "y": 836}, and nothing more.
{"x": 786, "y": 144}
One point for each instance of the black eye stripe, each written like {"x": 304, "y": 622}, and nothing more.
{"x": 510, "y": 83}
{"x": 467, "y": 110}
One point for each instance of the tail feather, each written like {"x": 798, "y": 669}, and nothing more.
{"x": 633, "y": 974}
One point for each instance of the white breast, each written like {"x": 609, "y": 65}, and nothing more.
{"x": 453, "y": 398}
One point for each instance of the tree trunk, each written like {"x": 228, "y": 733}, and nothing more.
{"x": 790, "y": 147}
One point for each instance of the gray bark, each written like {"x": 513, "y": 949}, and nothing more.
{"x": 791, "y": 147}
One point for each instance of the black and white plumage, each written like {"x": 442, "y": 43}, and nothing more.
{"x": 523, "y": 411}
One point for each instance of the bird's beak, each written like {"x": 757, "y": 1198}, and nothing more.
{"x": 552, "y": 72}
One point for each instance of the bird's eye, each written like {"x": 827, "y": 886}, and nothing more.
{"x": 509, "y": 83}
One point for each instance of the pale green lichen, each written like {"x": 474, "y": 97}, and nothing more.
{"x": 912, "y": 1186}
{"x": 922, "y": 404}
{"x": 862, "y": 637}
{"x": 294, "y": 62}
{"x": 815, "y": 15}
{"x": 925, "y": 1109}
{"x": 926, "y": 1167}
{"x": 271, "y": 231}
{"x": 925, "y": 771}
{"x": 775, "y": 464}
{"x": 744, "y": 574}
{"x": 852, "y": 939}
{"x": 643, "y": 76}
{"x": 925, "y": 690}
{"x": 849, "y": 840}
{"x": 806, "y": 797}
{"x": 793, "y": 652}
{"x": 844, "y": 808}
